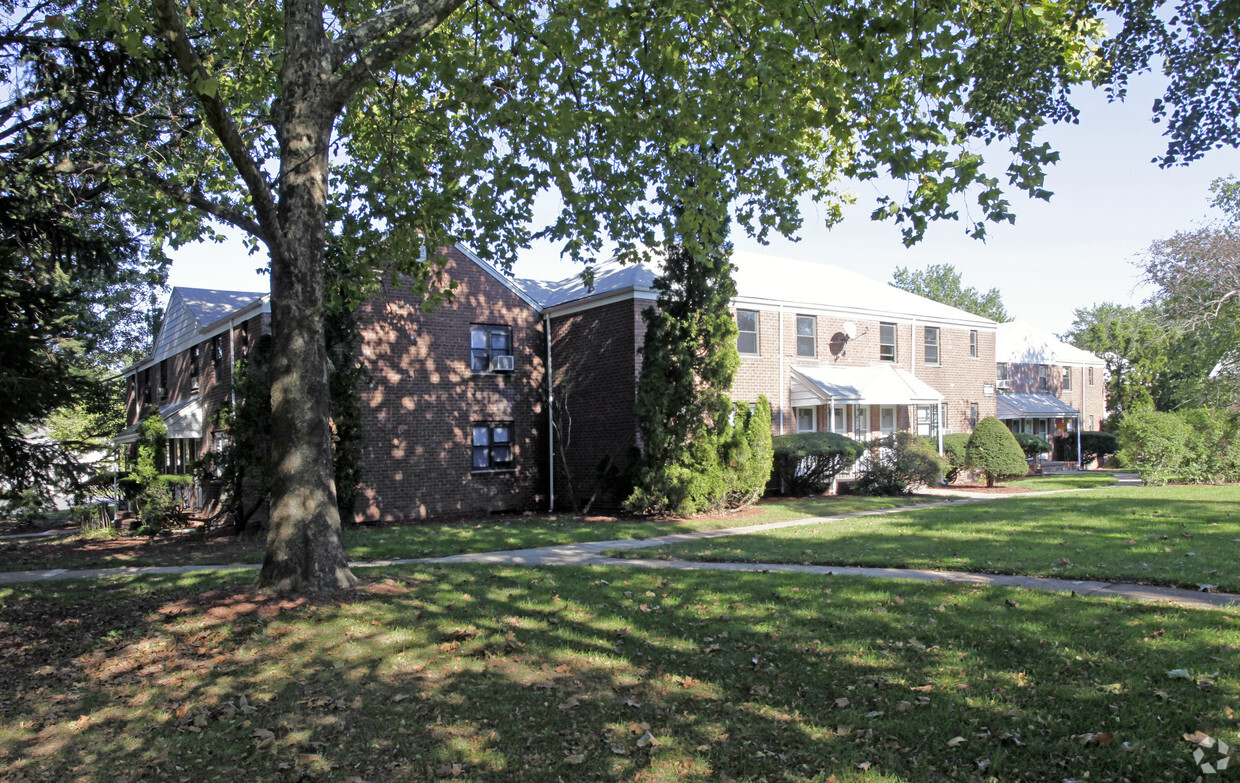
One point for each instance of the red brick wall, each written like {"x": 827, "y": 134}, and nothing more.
{"x": 959, "y": 377}
{"x": 422, "y": 399}
{"x": 596, "y": 360}
{"x": 1089, "y": 400}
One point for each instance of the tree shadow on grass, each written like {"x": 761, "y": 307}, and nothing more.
{"x": 574, "y": 673}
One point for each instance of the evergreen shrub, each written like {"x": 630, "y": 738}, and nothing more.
{"x": 806, "y": 463}
{"x": 995, "y": 452}
{"x": 900, "y": 463}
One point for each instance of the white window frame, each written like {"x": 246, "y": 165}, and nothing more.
{"x": 756, "y": 332}
{"x": 812, "y": 336}
{"x": 973, "y": 347}
{"x": 813, "y": 419}
{"x": 895, "y": 342}
{"x": 1066, "y": 383}
{"x": 928, "y": 343}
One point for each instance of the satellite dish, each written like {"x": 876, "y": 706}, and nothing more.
{"x": 850, "y": 329}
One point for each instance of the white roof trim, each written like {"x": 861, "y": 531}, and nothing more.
{"x": 500, "y": 276}
{"x": 877, "y": 384}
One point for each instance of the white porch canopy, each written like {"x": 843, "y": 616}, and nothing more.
{"x": 879, "y": 384}
{"x": 183, "y": 419}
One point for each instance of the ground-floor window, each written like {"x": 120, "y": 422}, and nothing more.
{"x": 807, "y": 419}
{"x": 492, "y": 445}
{"x": 928, "y": 421}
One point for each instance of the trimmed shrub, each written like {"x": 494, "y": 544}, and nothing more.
{"x": 1031, "y": 444}
{"x": 806, "y": 463}
{"x": 994, "y": 451}
{"x": 900, "y": 463}
{"x": 956, "y": 452}
{"x": 1155, "y": 443}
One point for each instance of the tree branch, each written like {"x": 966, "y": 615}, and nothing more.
{"x": 223, "y": 212}
{"x": 351, "y": 42}
{"x": 412, "y": 21}
{"x": 168, "y": 16}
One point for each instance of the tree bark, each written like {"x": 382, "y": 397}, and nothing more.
{"x": 305, "y": 551}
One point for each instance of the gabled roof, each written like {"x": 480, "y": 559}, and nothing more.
{"x": 1032, "y": 406}
{"x": 210, "y": 305}
{"x": 768, "y": 280}
{"x": 878, "y": 384}
{"x": 192, "y": 314}
{"x": 183, "y": 419}
{"x": 1017, "y": 342}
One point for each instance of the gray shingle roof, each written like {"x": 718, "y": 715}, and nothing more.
{"x": 1032, "y": 406}
{"x": 210, "y": 305}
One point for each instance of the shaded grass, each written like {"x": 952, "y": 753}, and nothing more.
{"x": 1181, "y": 536}
{"x": 512, "y": 674}
{"x": 487, "y": 534}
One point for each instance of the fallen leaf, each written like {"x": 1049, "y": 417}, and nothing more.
{"x": 982, "y": 764}
{"x": 647, "y": 740}
{"x": 842, "y": 702}
{"x": 864, "y": 766}
{"x": 571, "y": 703}
{"x": 954, "y": 741}
{"x": 1179, "y": 674}
{"x": 576, "y": 758}
{"x": 1200, "y": 739}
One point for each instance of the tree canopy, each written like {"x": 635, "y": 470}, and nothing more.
{"x": 378, "y": 129}
{"x": 942, "y": 283}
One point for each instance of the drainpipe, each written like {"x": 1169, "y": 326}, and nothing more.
{"x": 780, "y": 353}
{"x": 550, "y": 422}
{"x": 232, "y": 367}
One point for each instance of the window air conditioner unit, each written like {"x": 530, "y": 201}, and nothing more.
{"x": 1003, "y": 384}
{"x": 502, "y": 363}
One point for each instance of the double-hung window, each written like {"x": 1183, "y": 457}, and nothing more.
{"x": 487, "y": 342}
{"x": 492, "y": 445}
{"x": 974, "y": 415}
{"x": 931, "y": 338}
{"x": 195, "y": 355}
{"x": 973, "y": 343}
{"x": 1091, "y": 376}
{"x": 217, "y": 351}
{"x": 887, "y": 342}
{"x": 1067, "y": 379}
{"x": 807, "y": 327}
{"x": 747, "y": 332}
{"x": 1044, "y": 383}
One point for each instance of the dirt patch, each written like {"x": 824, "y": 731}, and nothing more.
{"x": 982, "y": 488}
{"x": 78, "y": 551}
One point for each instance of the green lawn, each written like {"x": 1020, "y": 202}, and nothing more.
{"x": 411, "y": 541}
{"x": 1181, "y": 536}
{"x": 1063, "y": 481}
{"x": 518, "y": 674}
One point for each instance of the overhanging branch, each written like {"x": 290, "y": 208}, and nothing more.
{"x": 408, "y": 24}
{"x": 267, "y": 227}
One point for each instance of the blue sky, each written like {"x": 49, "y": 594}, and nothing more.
{"x": 1079, "y": 249}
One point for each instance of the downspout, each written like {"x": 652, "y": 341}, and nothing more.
{"x": 912, "y": 368}
{"x": 942, "y": 415}
{"x": 550, "y": 421}
{"x": 782, "y": 387}
{"x": 232, "y": 367}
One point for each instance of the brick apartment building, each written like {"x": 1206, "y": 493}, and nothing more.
{"x": 1047, "y": 387}
{"x": 457, "y": 406}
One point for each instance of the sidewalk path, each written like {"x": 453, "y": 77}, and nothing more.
{"x": 590, "y": 553}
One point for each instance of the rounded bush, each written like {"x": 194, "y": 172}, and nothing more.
{"x": 807, "y": 462}
{"x": 994, "y": 451}
{"x": 956, "y": 452}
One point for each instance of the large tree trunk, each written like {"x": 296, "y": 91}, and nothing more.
{"x": 305, "y": 551}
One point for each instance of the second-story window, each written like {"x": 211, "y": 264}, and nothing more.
{"x": 217, "y": 351}
{"x": 1043, "y": 381}
{"x": 807, "y": 327}
{"x": 1067, "y": 379}
{"x": 490, "y": 348}
{"x": 163, "y": 380}
{"x": 195, "y": 354}
{"x": 747, "y": 332}
{"x": 887, "y": 342}
{"x": 1091, "y": 376}
{"x": 146, "y": 387}
{"x": 973, "y": 343}
{"x": 932, "y": 344}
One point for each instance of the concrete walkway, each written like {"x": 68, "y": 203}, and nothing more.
{"x": 591, "y": 554}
